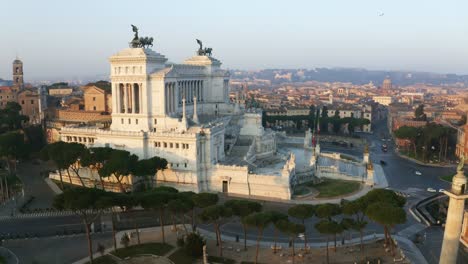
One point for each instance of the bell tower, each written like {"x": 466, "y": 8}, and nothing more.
{"x": 18, "y": 82}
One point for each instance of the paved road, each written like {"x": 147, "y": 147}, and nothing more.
{"x": 55, "y": 250}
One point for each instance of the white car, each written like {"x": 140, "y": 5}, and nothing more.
{"x": 441, "y": 190}
{"x": 301, "y": 236}
{"x": 418, "y": 173}
{"x": 431, "y": 190}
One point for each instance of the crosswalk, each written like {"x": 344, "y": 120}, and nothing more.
{"x": 40, "y": 214}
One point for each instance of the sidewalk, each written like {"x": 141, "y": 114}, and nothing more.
{"x": 437, "y": 165}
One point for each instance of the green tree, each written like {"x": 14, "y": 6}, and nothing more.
{"x": 357, "y": 209}
{"x": 292, "y": 230}
{"x": 387, "y": 215}
{"x": 84, "y": 202}
{"x": 94, "y": 159}
{"x": 120, "y": 164}
{"x": 419, "y": 114}
{"x": 302, "y": 212}
{"x": 12, "y": 147}
{"x": 328, "y": 227}
{"x": 72, "y": 154}
{"x": 189, "y": 207}
{"x": 241, "y": 209}
{"x": 157, "y": 201}
{"x": 276, "y": 218}
{"x": 54, "y": 152}
{"x": 215, "y": 214}
{"x": 148, "y": 168}
{"x": 203, "y": 200}
{"x": 328, "y": 211}
{"x": 409, "y": 133}
{"x": 259, "y": 220}
{"x": 11, "y": 117}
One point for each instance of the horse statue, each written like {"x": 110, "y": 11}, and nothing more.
{"x": 146, "y": 42}
{"x": 208, "y": 51}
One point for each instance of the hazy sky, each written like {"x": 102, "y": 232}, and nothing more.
{"x": 64, "y": 39}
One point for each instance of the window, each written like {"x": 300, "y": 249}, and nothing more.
{"x": 177, "y": 145}
{"x": 129, "y": 121}
{"x": 165, "y": 144}
{"x": 155, "y": 121}
{"x": 94, "y": 98}
{"x": 32, "y": 101}
{"x": 186, "y": 146}
{"x": 171, "y": 145}
{"x": 122, "y": 121}
{"x": 94, "y": 108}
{"x": 22, "y": 101}
{"x": 185, "y": 165}
{"x": 136, "y": 121}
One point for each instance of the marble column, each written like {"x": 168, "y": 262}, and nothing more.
{"x": 133, "y": 98}
{"x": 140, "y": 87}
{"x": 166, "y": 99}
{"x": 125, "y": 98}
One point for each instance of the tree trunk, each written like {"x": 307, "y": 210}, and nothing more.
{"x": 161, "y": 222}
{"x": 174, "y": 227}
{"x": 2, "y": 198}
{"x": 245, "y": 236}
{"x": 275, "y": 238}
{"x": 334, "y": 249}
{"x": 305, "y": 237}
{"x": 259, "y": 237}
{"x": 183, "y": 223}
{"x": 193, "y": 220}
{"x": 293, "y": 254}
{"x": 7, "y": 191}
{"x": 220, "y": 240}
{"x": 61, "y": 179}
{"x": 78, "y": 175}
{"x": 137, "y": 230}
{"x": 113, "y": 231}
{"x": 362, "y": 244}
{"x": 119, "y": 180}
{"x": 328, "y": 258}
{"x": 69, "y": 176}
{"x": 90, "y": 242}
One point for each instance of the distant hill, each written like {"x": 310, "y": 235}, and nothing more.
{"x": 356, "y": 76}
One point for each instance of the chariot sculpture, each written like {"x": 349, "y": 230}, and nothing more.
{"x": 203, "y": 51}
{"x": 140, "y": 42}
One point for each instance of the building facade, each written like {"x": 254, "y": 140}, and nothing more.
{"x": 182, "y": 112}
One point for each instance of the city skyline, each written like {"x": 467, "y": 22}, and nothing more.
{"x": 57, "y": 44}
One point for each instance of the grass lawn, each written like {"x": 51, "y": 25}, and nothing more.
{"x": 334, "y": 187}
{"x": 221, "y": 260}
{"x": 179, "y": 257}
{"x": 149, "y": 248}
{"x": 447, "y": 177}
{"x": 103, "y": 260}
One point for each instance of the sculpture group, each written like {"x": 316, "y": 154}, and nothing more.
{"x": 143, "y": 42}
{"x": 203, "y": 51}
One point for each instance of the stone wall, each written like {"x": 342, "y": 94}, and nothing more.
{"x": 80, "y": 116}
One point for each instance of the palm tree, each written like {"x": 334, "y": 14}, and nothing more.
{"x": 292, "y": 230}
{"x": 276, "y": 218}
{"x": 327, "y": 227}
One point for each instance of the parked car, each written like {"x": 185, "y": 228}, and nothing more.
{"x": 431, "y": 190}
{"x": 441, "y": 190}
{"x": 383, "y": 162}
{"x": 418, "y": 173}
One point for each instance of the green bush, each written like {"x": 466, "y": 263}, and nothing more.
{"x": 194, "y": 245}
